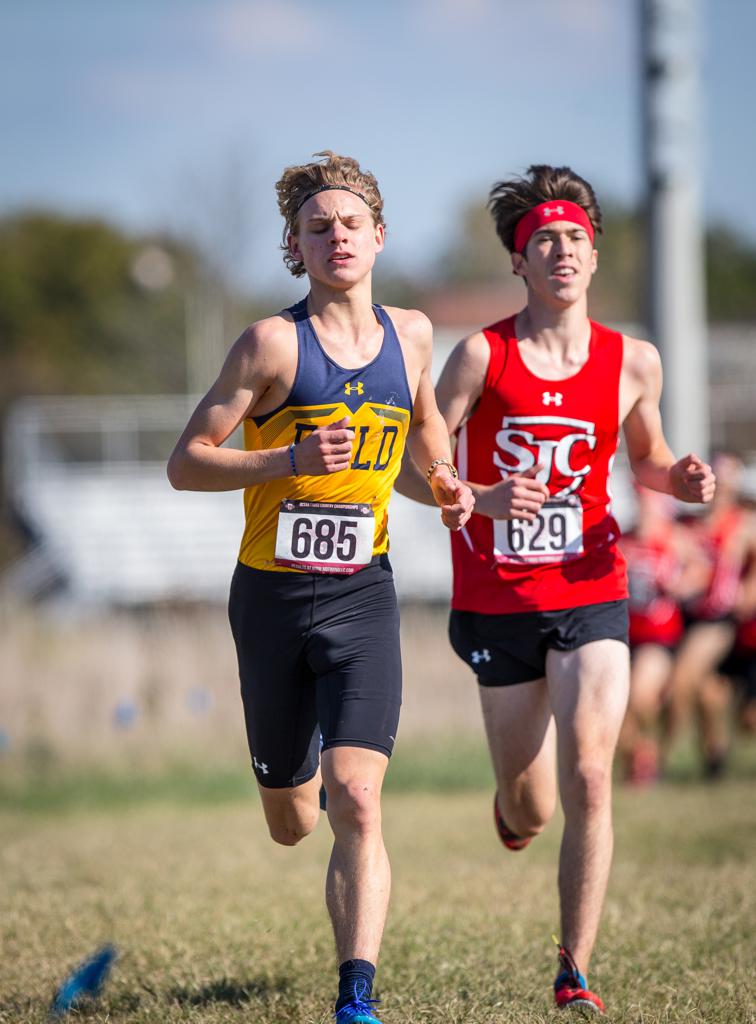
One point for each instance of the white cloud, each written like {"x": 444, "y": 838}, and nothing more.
{"x": 266, "y": 27}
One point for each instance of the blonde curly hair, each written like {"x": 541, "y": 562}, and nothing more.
{"x": 297, "y": 184}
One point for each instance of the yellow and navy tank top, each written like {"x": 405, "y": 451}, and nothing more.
{"x": 375, "y": 397}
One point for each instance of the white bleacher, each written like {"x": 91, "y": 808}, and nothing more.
{"x": 112, "y": 531}
{"x": 126, "y": 537}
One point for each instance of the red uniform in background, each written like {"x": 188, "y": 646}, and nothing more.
{"x": 718, "y": 538}
{"x": 652, "y": 567}
{"x": 569, "y": 556}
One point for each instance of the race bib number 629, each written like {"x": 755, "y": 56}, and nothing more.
{"x": 555, "y": 535}
{"x": 327, "y": 537}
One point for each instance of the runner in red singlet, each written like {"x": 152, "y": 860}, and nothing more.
{"x": 663, "y": 568}
{"x": 726, "y": 537}
{"x": 539, "y": 608}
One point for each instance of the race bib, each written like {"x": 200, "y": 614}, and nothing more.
{"x": 555, "y": 535}
{"x": 321, "y": 536}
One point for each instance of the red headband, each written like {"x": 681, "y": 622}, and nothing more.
{"x": 547, "y": 213}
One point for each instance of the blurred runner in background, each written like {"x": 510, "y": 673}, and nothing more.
{"x": 726, "y": 538}
{"x": 663, "y": 567}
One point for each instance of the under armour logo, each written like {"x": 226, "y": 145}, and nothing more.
{"x": 260, "y": 766}
{"x": 550, "y": 211}
{"x": 556, "y": 399}
{"x": 359, "y": 387}
{"x": 477, "y": 656}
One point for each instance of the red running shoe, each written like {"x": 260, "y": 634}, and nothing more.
{"x": 643, "y": 764}
{"x": 570, "y": 988}
{"x": 507, "y": 836}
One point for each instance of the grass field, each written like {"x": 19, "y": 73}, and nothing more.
{"x": 144, "y": 830}
{"x": 214, "y": 923}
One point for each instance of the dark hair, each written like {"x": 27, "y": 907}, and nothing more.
{"x": 510, "y": 200}
{"x": 297, "y": 182}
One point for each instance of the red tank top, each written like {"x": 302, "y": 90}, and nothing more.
{"x": 719, "y": 541}
{"x": 569, "y": 556}
{"x": 652, "y": 565}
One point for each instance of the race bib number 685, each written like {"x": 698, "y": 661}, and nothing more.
{"x": 327, "y": 537}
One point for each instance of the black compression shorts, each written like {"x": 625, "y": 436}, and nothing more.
{"x": 318, "y": 655}
{"x": 506, "y": 649}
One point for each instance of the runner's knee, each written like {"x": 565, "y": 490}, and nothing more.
{"x": 525, "y": 824}
{"x": 289, "y": 834}
{"x": 588, "y": 787}
{"x": 354, "y": 806}
{"x": 527, "y": 813}
{"x": 291, "y": 825}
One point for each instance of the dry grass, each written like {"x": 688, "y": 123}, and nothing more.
{"x": 215, "y": 924}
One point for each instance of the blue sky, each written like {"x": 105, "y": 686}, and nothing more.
{"x": 184, "y": 112}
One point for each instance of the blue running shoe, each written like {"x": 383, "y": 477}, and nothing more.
{"x": 358, "y": 1010}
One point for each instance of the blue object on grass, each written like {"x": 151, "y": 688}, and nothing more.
{"x": 198, "y": 700}
{"x": 125, "y": 714}
{"x": 85, "y": 980}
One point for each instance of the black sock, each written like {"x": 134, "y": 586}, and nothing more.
{"x": 355, "y": 979}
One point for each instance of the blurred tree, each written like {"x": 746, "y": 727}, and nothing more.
{"x": 730, "y": 276}
{"x": 85, "y": 308}
{"x": 474, "y": 253}
{"x": 394, "y": 288}
{"x": 618, "y": 289}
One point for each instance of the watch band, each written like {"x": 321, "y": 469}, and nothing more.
{"x": 442, "y": 462}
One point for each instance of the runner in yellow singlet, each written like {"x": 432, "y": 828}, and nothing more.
{"x": 329, "y": 391}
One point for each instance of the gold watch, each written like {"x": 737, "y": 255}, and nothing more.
{"x": 442, "y": 462}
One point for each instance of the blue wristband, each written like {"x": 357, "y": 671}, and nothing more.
{"x": 291, "y": 460}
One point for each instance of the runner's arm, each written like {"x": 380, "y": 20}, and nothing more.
{"x": 458, "y": 388}
{"x": 428, "y": 442}
{"x": 199, "y": 463}
{"x": 458, "y": 391}
{"x": 688, "y": 479}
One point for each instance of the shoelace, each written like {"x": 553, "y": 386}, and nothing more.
{"x": 357, "y": 1005}
{"x": 570, "y": 974}
{"x": 571, "y": 983}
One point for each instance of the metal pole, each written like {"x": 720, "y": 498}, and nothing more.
{"x": 677, "y": 301}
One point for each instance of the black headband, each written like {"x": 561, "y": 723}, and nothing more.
{"x": 329, "y": 188}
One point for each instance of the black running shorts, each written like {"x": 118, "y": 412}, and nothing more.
{"x": 506, "y": 649}
{"x": 740, "y": 666}
{"x": 318, "y": 655}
